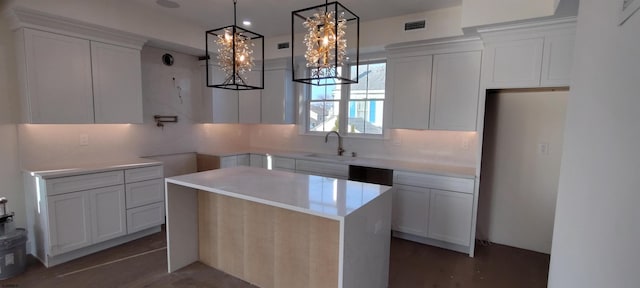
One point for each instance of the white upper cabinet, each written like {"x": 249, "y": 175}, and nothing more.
{"x": 435, "y": 85}
{"x": 410, "y": 88}
{"x": 75, "y": 80}
{"x": 529, "y": 55}
{"x": 55, "y": 77}
{"x": 218, "y": 105}
{"x": 250, "y": 101}
{"x": 277, "y": 97}
{"x": 454, "y": 91}
{"x": 513, "y": 64}
{"x": 117, "y": 83}
{"x": 558, "y": 58}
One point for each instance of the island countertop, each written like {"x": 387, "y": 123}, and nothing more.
{"x": 316, "y": 195}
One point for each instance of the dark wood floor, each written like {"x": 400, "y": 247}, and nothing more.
{"x": 142, "y": 263}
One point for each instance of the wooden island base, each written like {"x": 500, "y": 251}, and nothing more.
{"x": 265, "y": 245}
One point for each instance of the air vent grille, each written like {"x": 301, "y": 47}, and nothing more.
{"x": 415, "y": 25}
{"x": 283, "y": 45}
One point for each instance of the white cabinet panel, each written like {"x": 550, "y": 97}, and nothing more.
{"x": 277, "y": 97}
{"x": 145, "y": 192}
{"x": 107, "y": 213}
{"x": 144, "y": 217}
{"x": 82, "y": 182}
{"x": 410, "y": 210}
{"x": 558, "y": 59}
{"x": 117, "y": 83}
{"x": 454, "y": 91}
{"x": 141, "y": 174}
{"x": 249, "y": 103}
{"x": 410, "y": 89}
{"x": 281, "y": 163}
{"x": 58, "y": 88}
{"x": 464, "y": 185}
{"x": 257, "y": 160}
{"x": 228, "y": 161}
{"x": 69, "y": 222}
{"x": 243, "y": 160}
{"x": 450, "y": 216}
{"x": 513, "y": 64}
{"x": 218, "y": 105}
{"x": 323, "y": 169}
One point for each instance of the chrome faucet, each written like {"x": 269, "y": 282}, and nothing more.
{"x": 340, "y": 149}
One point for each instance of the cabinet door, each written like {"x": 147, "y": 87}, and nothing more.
{"x": 410, "y": 211}
{"x": 108, "y": 213}
{"x": 257, "y": 160}
{"x": 454, "y": 91}
{"x": 558, "y": 59}
{"x": 228, "y": 161}
{"x": 249, "y": 103}
{"x": 58, "y": 79}
{"x": 218, "y": 105}
{"x": 243, "y": 160}
{"x": 117, "y": 83}
{"x": 513, "y": 63}
{"x": 277, "y": 97}
{"x": 69, "y": 222}
{"x": 450, "y": 216}
{"x": 410, "y": 90}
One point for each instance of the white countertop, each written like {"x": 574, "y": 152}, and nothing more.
{"x": 419, "y": 167}
{"x": 54, "y": 171}
{"x": 321, "y": 196}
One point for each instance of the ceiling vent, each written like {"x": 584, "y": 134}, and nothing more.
{"x": 415, "y": 25}
{"x": 283, "y": 45}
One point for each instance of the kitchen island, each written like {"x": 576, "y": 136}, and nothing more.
{"x": 280, "y": 229}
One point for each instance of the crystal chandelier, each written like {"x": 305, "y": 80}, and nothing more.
{"x": 236, "y": 57}
{"x": 325, "y": 39}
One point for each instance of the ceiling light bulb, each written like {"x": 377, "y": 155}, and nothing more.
{"x": 246, "y": 23}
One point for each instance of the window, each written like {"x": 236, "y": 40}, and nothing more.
{"x": 355, "y": 109}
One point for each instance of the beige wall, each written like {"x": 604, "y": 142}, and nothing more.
{"x": 597, "y": 227}
{"x": 518, "y": 182}
{"x": 486, "y": 12}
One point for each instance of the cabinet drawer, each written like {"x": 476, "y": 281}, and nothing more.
{"x": 141, "y": 174}
{"x": 63, "y": 185}
{"x": 321, "y": 168}
{"x": 145, "y": 192}
{"x": 283, "y": 163}
{"x": 434, "y": 181}
{"x": 144, "y": 217}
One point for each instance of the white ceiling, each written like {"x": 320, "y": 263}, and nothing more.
{"x": 273, "y": 17}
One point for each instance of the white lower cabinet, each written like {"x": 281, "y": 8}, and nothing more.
{"x": 450, "y": 216}
{"x": 69, "y": 222}
{"x": 75, "y": 215}
{"x": 144, "y": 217}
{"x": 340, "y": 171}
{"x": 108, "y": 217}
{"x": 410, "y": 210}
{"x": 424, "y": 211}
{"x": 83, "y": 218}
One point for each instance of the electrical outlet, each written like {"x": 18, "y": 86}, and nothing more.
{"x": 84, "y": 140}
{"x": 543, "y": 148}
{"x": 465, "y": 144}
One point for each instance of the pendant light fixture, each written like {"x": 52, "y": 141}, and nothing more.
{"x": 331, "y": 40}
{"x": 239, "y": 53}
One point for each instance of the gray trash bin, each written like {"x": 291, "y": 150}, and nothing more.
{"x": 13, "y": 254}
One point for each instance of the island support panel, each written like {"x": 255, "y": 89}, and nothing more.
{"x": 266, "y": 245}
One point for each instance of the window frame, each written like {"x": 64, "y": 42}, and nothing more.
{"x": 345, "y": 90}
